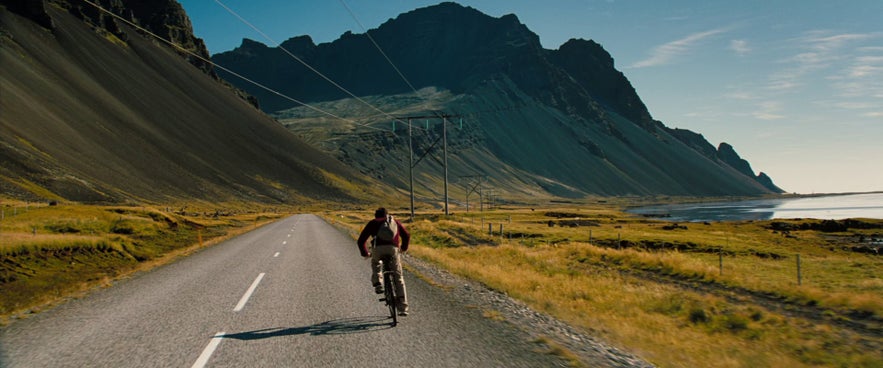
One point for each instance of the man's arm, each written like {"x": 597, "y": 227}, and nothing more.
{"x": 404, "y": 235}
{"x": 363, "y": 239}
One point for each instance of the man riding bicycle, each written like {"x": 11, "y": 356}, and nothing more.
{"x": 387, "y": 232}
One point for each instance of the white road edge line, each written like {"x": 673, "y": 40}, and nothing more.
{"x": 208, "y": 351}
{"x": 248, "y": 292}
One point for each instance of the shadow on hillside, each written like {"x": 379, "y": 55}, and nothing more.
{"x": 333, "y": 327}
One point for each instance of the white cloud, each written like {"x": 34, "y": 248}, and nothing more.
{"x": 740, "y": 47}
{"x": 769, "y": 110}
{"x": 860, "y": 76}
{"x": 741, "y": 95}
{"x": 874, "y": 114}
{"x": 665, "y": 53}
{"x": 818, "y": 40}
{"x": 760, "y": 115}
{"x": 862, "y": 71}
{"x": 864, "y": 67}
{"x": 854, "y": 105}
{"x": 783, "y": 82}
{"x": 828, "y": 56}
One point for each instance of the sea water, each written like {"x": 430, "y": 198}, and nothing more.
{"x": 829, "y": 207}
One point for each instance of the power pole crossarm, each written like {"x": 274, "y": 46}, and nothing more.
{"x": 411, "y": 165}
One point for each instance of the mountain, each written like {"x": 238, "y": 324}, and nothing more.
{"x": 94, "y": 110}
{"x": 559, "y": 122}
{"x": 726, "y": 153}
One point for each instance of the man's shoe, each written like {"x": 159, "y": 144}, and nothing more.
{"x": 403, "y": 308}
{"x": 378, "y": 289}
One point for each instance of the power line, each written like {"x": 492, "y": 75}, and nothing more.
{"x": 378, "y": 47}
{"x": 213, "y": 64}
{"x": 299, "y": 59}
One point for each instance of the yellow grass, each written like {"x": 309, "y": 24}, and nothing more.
{"x": 651, "y": 301}
{"x": 50, "y": 252}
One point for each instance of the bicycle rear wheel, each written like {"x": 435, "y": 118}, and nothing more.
{"x": 391, "y": 297}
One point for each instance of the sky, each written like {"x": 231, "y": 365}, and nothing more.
{"x": 795, "y": 86}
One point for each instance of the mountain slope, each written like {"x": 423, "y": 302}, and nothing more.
{"x": 565, "y": 121}
{"x": 91, "y": 110}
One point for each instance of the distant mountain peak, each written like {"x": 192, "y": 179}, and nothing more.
{"x": 590, "y": 48}
{"x": 248, "y": 46}
{"x": 568, "y": 116}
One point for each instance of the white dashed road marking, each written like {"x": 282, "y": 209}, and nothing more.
{"x": 248, "y": 292}
{"x": 208, "y": 351}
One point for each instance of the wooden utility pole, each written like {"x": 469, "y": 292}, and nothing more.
{"x": 412, "y": 164}
{"x": 472, "y": 189}
{"x": 411, "y": 168}
{"x": 445, "y": 150}
{"x": 491, "y": 197}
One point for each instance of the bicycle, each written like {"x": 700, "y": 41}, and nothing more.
{"x": 389, "y": 292}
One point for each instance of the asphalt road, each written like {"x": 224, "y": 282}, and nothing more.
{"x": 294, "y": 293}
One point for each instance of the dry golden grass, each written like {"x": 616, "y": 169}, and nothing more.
{"x": 48, "y": 253}
{"x": 673, "y": 307}
{"x": 553, "y": 348}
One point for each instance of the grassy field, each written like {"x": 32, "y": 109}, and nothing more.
{"x": 679, "y": 295}
{"x": 49, "y": 253}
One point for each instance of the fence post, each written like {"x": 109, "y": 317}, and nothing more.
{"x": 720, "y": 260}
{"x": 799, "y": 281}
{"x": 490, "y": 228}
{"x": 590, "y": 235}
{"x": 619, "y": 241}
{"x": 501, "y": 230}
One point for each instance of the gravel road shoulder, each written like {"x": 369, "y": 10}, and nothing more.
{"x": 590, "y": 351}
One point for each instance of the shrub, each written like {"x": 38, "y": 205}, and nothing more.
{"x": 122, "y": 228}
{"x": 698, "y": 315}
{"x": 62, "y": 229}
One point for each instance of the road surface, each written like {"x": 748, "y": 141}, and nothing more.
{"x": 294, "y": 293}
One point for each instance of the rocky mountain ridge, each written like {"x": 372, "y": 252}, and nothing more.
{"x": 564, "y": 121}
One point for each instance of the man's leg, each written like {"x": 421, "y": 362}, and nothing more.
{"x": 376, "y": 271}
{"x": 400, "y": 281}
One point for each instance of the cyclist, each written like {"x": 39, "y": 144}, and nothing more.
{"x": 385, "y": 247}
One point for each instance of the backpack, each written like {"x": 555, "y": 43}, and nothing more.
{"x": 388, "y": 230}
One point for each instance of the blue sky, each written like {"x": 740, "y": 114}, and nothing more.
{"x": 795, "y": 86}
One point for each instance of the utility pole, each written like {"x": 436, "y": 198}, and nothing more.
{"x": 473, "y": 188}
{"x": 412, "y": 164}
{"x": 491, "y": 198}
{"x": 411, "y": 168}
{"x": 445, "y": 150}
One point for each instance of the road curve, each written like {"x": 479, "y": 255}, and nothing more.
{"x": 294, "y": 293}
